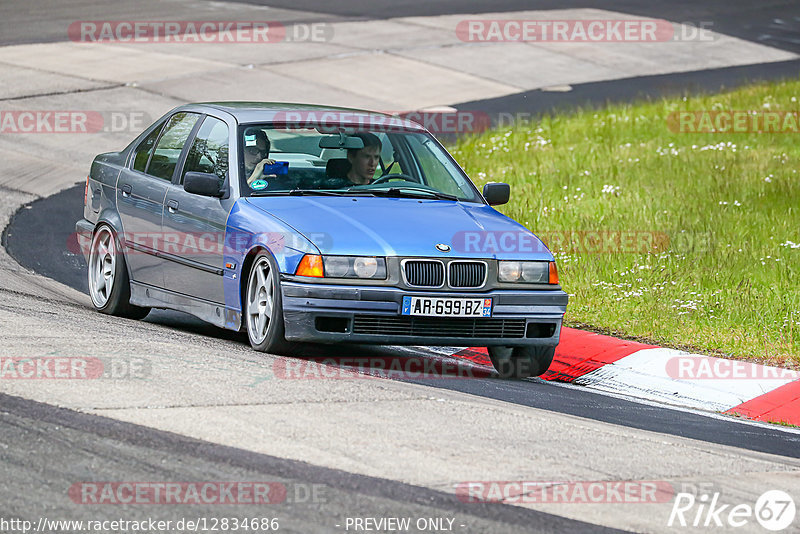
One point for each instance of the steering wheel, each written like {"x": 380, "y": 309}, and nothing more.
{"x": 397, "y": 176}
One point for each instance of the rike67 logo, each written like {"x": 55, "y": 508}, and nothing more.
{"x": 774, "y": 510}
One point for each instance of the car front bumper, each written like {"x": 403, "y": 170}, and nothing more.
{"x": 367, "y": 314}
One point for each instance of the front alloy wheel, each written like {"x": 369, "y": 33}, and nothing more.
{"x": 263, "y": 309}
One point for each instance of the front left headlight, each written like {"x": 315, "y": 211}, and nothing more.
{"x": 530, "y": 272}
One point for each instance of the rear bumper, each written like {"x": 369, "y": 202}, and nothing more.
{"x": 84, "y": 231}
{"x": 335, "y": 313}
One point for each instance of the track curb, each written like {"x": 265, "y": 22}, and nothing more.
{"x": 671, "y": 376}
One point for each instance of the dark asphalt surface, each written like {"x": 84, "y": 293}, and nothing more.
{"x": 41, "y": 235}
{"x": 771, "y": 22}
{"x": 45, "y": 450}
{"x": 528, "y": 105}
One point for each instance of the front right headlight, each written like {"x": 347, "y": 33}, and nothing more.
{"x": 530, "y": 272}
{"x": 368, "y": 267}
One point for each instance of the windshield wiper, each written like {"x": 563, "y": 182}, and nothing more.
{"x": 411, "y": 192}
{"x": 299, "y": 193}
{"x": 405, "y": 192}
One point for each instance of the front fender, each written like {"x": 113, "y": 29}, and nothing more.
{"x": 250, "y": 230}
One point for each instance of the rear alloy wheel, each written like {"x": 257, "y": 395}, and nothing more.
{"x": 109, "y": 286}
{"x": 263, "y": 307}
{"x": 521, "y": 362}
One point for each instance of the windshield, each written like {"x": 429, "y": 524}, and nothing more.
{"x": 280, "y": 161}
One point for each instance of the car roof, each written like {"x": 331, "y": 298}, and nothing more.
{"x": 287, "y": 112}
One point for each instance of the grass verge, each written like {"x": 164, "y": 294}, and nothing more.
{"x": 681, "y": 239}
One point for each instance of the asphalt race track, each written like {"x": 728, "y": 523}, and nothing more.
{"x": 33, "y": 430}
{"x": 39, "y": 240}
{"x": 203, "y": 408}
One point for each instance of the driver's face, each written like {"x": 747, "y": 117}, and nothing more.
{"x": 365, "y": 162}
{"x": 254, "y": 154}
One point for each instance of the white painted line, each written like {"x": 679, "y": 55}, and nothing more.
{"x": 657, "y": 374}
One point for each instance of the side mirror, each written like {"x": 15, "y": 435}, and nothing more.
{"x": 496, "y": 193}
{"x": 202, "y": 183}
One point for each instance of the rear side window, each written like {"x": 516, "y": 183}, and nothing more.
{"x": 144, "y": 149}
{"x": 169, "y": 147}
{"x": 209, "y": 152}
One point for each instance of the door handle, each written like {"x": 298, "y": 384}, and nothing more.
{"x": 172, "y": 206}
{"x": 126, "y": 190}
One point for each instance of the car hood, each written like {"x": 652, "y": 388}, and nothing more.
{"x": 378, "y": 226}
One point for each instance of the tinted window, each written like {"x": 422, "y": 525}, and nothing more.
{"x": 209, "y": 152}
{"x": 169, "y": 147}
{"x": 142, "y": 153}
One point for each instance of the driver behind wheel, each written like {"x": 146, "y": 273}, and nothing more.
{"x": 256, "y": 154}
{"x": 364, "y": 161}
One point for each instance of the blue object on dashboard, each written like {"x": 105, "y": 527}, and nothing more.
{"x": 279, "y": 167}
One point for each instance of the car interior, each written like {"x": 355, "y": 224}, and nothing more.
{"x": 318, "y": 160}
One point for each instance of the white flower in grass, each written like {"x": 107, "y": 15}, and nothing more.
{"x": 611, "y": 189}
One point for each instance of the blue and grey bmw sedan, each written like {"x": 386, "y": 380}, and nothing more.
{"x": 304, "y": 223}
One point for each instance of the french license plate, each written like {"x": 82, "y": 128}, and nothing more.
{"x": 447, "y": 306}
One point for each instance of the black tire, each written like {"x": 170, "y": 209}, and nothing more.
{"x": 521, "y": 362}
{"x": 270, "y": 338}
{"x": 116, "y": 301}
